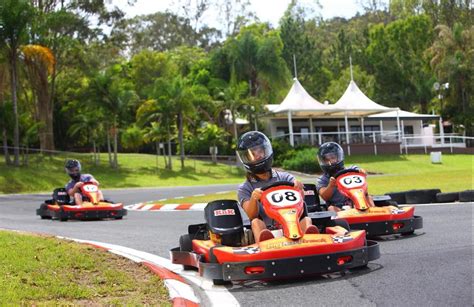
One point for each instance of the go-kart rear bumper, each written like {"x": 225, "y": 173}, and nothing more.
{"x": 380, "y": 228}
{"x": 279, "y": 268}
{"x": 82, "y": 214}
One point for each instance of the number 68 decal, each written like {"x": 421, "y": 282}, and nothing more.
{"x": 283, "y": 197}
{"x": 353, "y": 181}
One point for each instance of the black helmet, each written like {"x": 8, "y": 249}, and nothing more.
{"x": 331, "y": 158}
{"x": 73, "y": 169}
{"x": 255, "y": 152}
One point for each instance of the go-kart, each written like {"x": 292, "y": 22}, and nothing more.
{"x": 61, "y": 208}
{"x": 385, "y": 218}
{"x": 223, "y": 249}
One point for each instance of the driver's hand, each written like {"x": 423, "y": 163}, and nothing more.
{"x": 79, "y": 185}
{"x": 256, "y": 194}
{"x": 95, "y": 181}
{"x": 332, "y": 182}
{"x": 363, "y": 171}
{"x": 298, "y": 184}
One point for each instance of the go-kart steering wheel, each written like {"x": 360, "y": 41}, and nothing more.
{"x": 345, "y": 171}
{"x": 277, "y": 184}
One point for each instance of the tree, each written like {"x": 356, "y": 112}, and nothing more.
{"x": 88, "y": 123}
{"x": 15, "y": 16}
{"x": 452, "y": 59}
{"x": 6, "y": 110}
{"x": 232, "y": 99}
{"x": 212, "y": 136}
{"x": 40, "y": 63}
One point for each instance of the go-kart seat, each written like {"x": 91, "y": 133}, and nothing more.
{"x": 311, "y": 198}
{"x": 61, "y": 197}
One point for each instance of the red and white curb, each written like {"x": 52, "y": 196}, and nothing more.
{"x": 173, "y": 275}
{"x": 147, "y": 206}
{"x": 151, "y": 206}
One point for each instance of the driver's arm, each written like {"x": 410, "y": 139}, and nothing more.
{"x": 75, "y": 189}
{"x": 326, "y": 192}
{"x": 251, "y": 206}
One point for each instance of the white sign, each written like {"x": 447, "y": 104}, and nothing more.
{"x": 284, "y": 198}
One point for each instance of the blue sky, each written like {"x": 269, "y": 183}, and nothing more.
{"x": 266, "y": 10}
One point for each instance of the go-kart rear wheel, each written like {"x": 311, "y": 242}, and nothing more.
{"x": 186, "y": 245}
{"x": 408, "y": 233}
{"x": 45, "y": 217}
{"x": 63, "y": 219}
{"x": 118, "y": 217}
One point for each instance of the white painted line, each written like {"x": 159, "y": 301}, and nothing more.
{"x": 168, "y": 207}
{"x": 179, "y": 197}
{"x": 176, "y": 290}
{"x": 199, "y": 195}
{"x": 163, "y": 199}
{"x": 198, "y": 207}
{"x": 223, "y": 192}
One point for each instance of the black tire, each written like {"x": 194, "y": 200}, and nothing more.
{"x": 221, "y": 282}
{"x": 63, "y": 219}
{"x": 118, "y": 217}
{"x": 398, "y": 197}
{"x": 447, "y": 197}
{"x": 45, "y": 217}
{"x": 421, "y": 196}
{"x": 408, "y": 233}
{"x": 466, "y": 196}
{"x": 343, "y": 223}
{"x": 186, "y": 245}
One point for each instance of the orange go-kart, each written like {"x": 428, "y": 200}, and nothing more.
{"x": 223, "y": 248}
{"x": 385, "y": 218}
{"x": 61, "y": 208}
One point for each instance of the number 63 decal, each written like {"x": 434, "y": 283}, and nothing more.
{"x": 353, "y": 181}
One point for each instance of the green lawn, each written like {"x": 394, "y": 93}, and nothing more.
{"x": 395, "y": 173}
{"x": 136, "y": 170}
{"x": 38, "y": 270}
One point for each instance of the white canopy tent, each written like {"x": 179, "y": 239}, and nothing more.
{"x": 299, "y": 102}
{"x": 355, "y": 103}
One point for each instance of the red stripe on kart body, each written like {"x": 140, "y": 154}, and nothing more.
{"x": 162, "y": 272}
{"x": 184, "y": 207}
{"x": 67, "y": 208}
{"x": 182, "y": 302}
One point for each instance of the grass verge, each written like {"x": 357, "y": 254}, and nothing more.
{"x": 44, "y": 173}
{"x": 39, "y": 270}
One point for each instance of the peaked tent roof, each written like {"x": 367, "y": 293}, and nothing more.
{"x": 357, "y": 103}
{"x": 298, "y": 100}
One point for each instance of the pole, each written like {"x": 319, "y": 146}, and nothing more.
{"x": 290, "y": 127}
{"x": 294, "y": 66}
{"x": 398, "y": 126}
{"x": 362, "y": 128}
{"x": 347, "y": 128}
{"x": 311, "y": 130}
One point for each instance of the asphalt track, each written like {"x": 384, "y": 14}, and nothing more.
{"x": 432, "y": 268}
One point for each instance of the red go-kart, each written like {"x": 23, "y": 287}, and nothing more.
{"x": 385, "y": 218}
{"x": 61, "y": 208}
{"x": 223, "y": 248}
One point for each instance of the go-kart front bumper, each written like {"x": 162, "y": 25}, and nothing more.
{"x": 279, "y": 268}
{"x": 78, "y": 214}
{"x": 379, "y": 228}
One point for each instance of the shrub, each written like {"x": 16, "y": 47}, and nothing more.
{"x": 303, "y": 160}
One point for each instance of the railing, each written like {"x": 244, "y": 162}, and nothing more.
{"x": 355, "y": 137}
{"x": 447, "y": 140}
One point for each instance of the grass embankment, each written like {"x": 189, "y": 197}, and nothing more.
{"x": 38, "y": 270}
{"x": 395, "y": 173}
{"x": 44, "y": 173}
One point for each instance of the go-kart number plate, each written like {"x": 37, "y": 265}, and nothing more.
{"x": 283, "y": 198}
{"x": 353, "y": 181}
{"x": 90, "y": 188}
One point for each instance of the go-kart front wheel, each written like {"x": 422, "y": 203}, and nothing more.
{"x": 186, "y": 245}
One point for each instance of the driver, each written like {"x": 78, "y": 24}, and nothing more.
{"x": 256, "y": 154}
{"x": 73, "y": 169}
{"x": 331, "y": 161}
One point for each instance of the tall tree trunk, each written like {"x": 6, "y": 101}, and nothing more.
{"x": 109, "y": 148}
{"x": 164, "y": 156}
{"x": 181, "y": 139}
{"x": 157, "y": 146}
{"x": 115, "y": 143}
{"x": 94, "y": 152}
{"x": 170, "y": 165}
{"x": 8, "y": 161}
{"x": 234, "y": 124}
{"x": 16, "y": 128}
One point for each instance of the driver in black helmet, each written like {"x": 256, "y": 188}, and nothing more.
{"x": 256, "y": 154}
{"x": 73, "y": 187}
{"x": 331, "y": 161}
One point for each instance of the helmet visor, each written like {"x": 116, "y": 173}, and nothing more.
{"x": 256, "y": 154}
{"x": 331, "y": 158}
{"x": 73, "y": 171}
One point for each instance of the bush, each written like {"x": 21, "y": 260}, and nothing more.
{"x": 281, "y": 151}
{"x": 303, "y": 160}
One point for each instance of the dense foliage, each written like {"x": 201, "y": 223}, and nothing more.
{"x": 75, "y": 75}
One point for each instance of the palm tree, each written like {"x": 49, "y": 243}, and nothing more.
{"x": 154, "y": 133}
{"x": 232, "y": 99}
{"x": 88, "y": 122}
{"x": 15, "y": 15}
{"x": 5, "y": 111}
